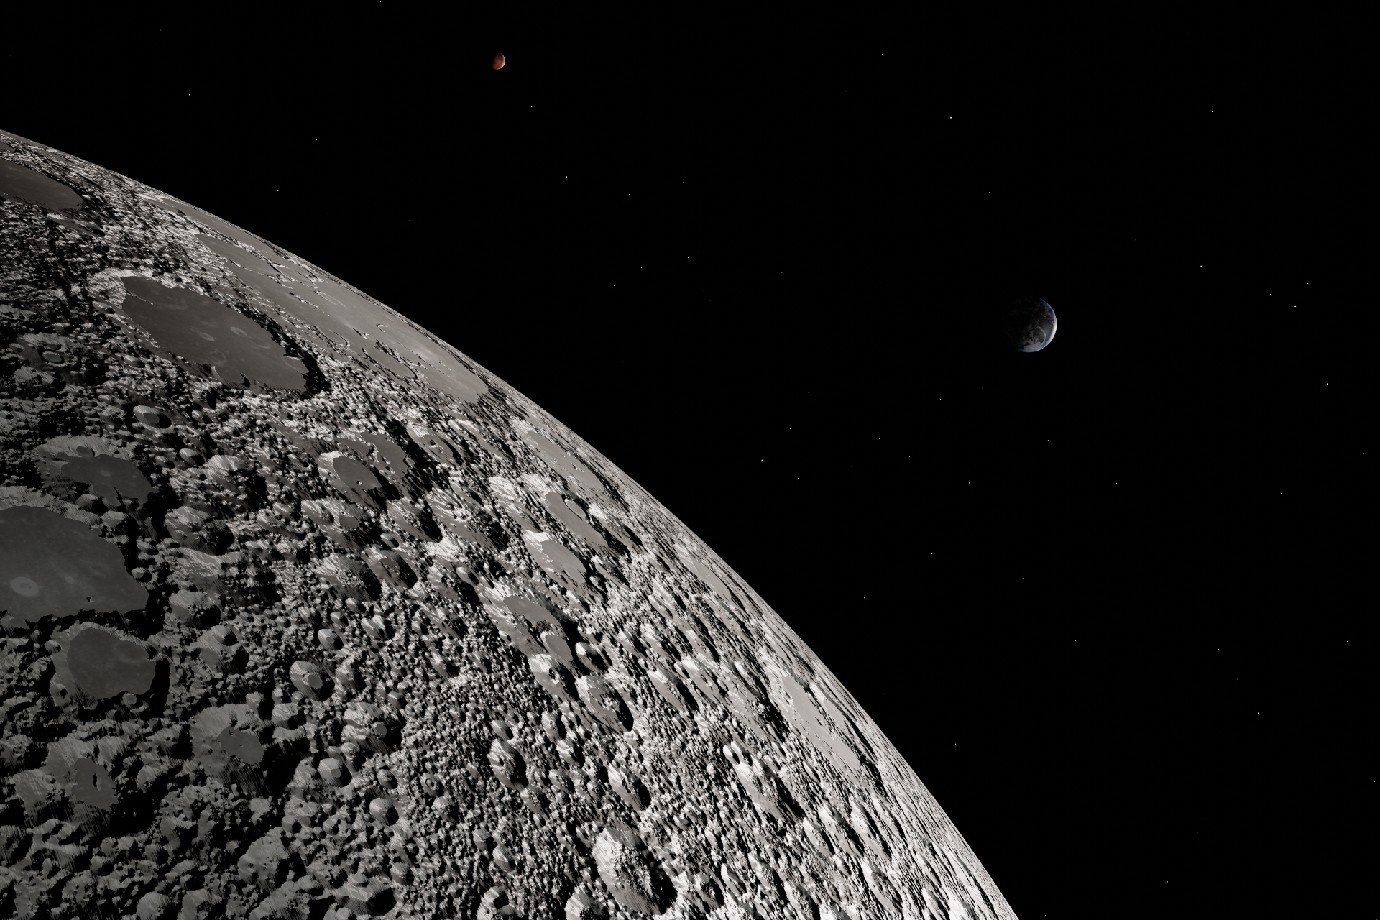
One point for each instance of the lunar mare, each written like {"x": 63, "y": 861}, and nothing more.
{"x": 307, "y": 615}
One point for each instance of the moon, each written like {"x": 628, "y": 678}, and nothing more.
{"x": 500, "y": 61}
{"x": 1030, "y": 325}
{"x": 308, "y": 614}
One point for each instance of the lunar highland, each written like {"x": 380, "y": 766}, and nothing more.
{"x": 307, "y": 615}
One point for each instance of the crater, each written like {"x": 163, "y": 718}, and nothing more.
{"x": 632, "y": 873}
{"x": 53, "y": 566}
{"x": 28, "y": 185}
{"x": 105, "y": 663}
{"x": 205, "y": 331}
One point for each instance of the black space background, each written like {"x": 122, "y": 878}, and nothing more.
{"x": 1113, "y": 601}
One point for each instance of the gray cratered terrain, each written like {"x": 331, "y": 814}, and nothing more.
{"x": 307, "y": 615}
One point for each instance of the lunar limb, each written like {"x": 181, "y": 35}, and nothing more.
{"x": 308, "y": 615}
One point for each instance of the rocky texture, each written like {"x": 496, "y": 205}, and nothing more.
{"x": 306, "y": 615}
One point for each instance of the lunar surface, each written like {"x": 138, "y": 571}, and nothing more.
{"x": 307, "y": 615}
{"x": 1031, "y": 325}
